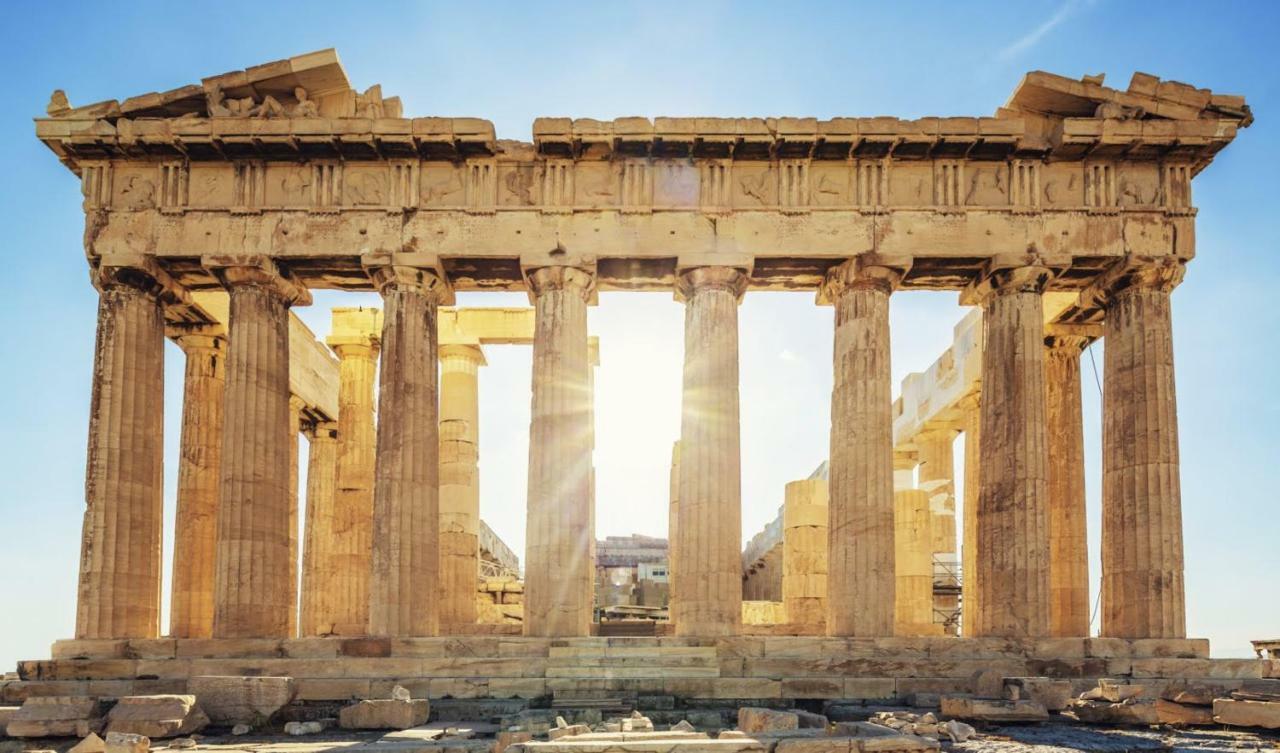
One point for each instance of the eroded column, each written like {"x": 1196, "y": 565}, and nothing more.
{"x": 404, "y": 590}
{"x": 296, "y": 407}
{"x": 252, "y": 592}
{"x": 353, "y": 502}
{"x": 1012, "y": 510}
{"x": 1142, "y": 560}
{"x": 804, "y": 554}
{"x": 318, "y": 539}
{"x": 860, "y": 578}
{"x": 459, "y": 485}
{"x": 709, "y": 581}
{"x": 559, "y": 573}
{"x": 936, "y": 476}
{"x": 120, "y": 557}
{"x": 971, "y": 418}
{"x": 1068, "y": 537}
{"x": 200, "y": 447}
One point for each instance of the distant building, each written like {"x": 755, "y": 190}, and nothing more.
{"x": 632, "y": 577}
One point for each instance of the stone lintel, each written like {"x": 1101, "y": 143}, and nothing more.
{"x": 257, "y": 270}
{"x": 1074, "y": 337}
{"x": 1164, "y": 272}
{"x": 869, "y": 269}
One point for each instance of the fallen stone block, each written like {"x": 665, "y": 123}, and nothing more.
{"x": 986, "y": 710}
{"x": 124, "y": 742}
{"x": 1182, "y": 714}
{"x": 6, "y": 713}
{"x": 507, "y": 739}
{"x": 810, "y": 720}
{"x": 314, "y": 727}
{"x": 752, "y": 719}
{"x": 56, "y": 716}
{"x": 683, "y": 726}
{"x": 231, "y": 700}
{"x": 1113, "y": 691}
{"x": 731, "y": 734}
{"x": 567, "y": 731}
{"x": 1054, "y": 694}
{"x": 1258, "y": 690}
{"x": 957, "y": 731}
{"x": 1193, "y": 695}
{"x": 816, "y": 745}
{"x": 1131, "y": 711}
{"x": 384, "y": 714}
{"x": 1237, "y": 713}
{"x": 90, "y": 744}
{"x": 241, "y": 729}
{"x": 987, "y": 683}
{"x": 157, "y": 716}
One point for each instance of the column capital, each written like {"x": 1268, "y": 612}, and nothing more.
{"x": 353, "y": 347}
{"x": 140, "y": 272}
{"x": 545, "y": 279}
{"x": 1065, "y": 343}
{"x": 863, "y": 272}
{"x": 1019, "y": 273}
{"x": 465, "y": 351}
{"x": 393, "y": 278}
{"x": 321, "y": 431}
{"x": 258, "y": 271}
{"x": 729, "y": 279}
{"x": 1161, "y": 273}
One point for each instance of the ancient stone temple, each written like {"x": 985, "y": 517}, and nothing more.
{"x": 214, "y": 209}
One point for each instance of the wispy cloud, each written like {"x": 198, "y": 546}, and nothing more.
{"x": 1031, "y": 38}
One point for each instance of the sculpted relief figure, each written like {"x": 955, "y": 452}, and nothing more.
{"x": 369, "y": 104}
{"x": 58, "y": 104}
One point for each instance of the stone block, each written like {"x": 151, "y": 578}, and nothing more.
{"x": 812, "y": 687}
{"x": 230, "y": 700}
{"x": 6, "y": 713}
{"x": 507, "y": 739}
{"x": 985, "y": 710}
{"x": 1170, "y": 648}
{"x": 1238, "y": 713}
{"x": 753, "y": 719}
{"x": 1133, "y": 711}
{"x": 1113, "y": 691}
{"x": 56, "y": 716}
{"x": 124, "y": 742}
{"x": 157, "y": 716}
{"x": 869, "y": 688}
{"x": 1168, "y": 712}
{"x": 816, "y": 745}
{"x": 568, "y": 730}
{"x": 1054, "y": 694}
{"x": 1257, "y": 690}
{"x": 1194, "y": 694}
{"x": 385, "y": 714}
{"x": 91, "y": 743}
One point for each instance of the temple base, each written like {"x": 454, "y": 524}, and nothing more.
{"x": 502, "y": 666}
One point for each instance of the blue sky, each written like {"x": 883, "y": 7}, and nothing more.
{"x": 513, "y": 62}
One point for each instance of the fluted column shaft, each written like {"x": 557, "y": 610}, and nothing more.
{"x": 860, "y": 580}
{"x": 296, "y": 407}
{"x": 970, "y": 415}
{"x": 353, "y": 500}
{"x": 559, "y": 573}
{"x": 936, "y": 475}
{"x": 318, "y": 528}
{"x": 120, "y": 552}
{"x": 673, "y": 526}
{"x": 1143, "y": 592}
{"x": 1012, "y": 514}
{"x": 804, "y": 553}
{"x": 1068, "y": 535}
{"x": 404, "y": 590}
{"x": 196, "y": 525}
{"x": 913, "y": 564}
{"x": 459, "y": 485}
{"x": 252, "y": 593}
{"x": 709, "y": 581}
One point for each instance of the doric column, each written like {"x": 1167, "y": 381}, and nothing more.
{"x": 709, "y": 580}
{"x": 404, "y": 590}
{"x": 120, "y": 558}
{"x": 804, "y": 554}
{"x": 459, "y": 485}
{"x": 1142, "y": 561}
{"x": 673, "y": 526}
{"x": 971, "y": 418}
{"x": 559, "y": 573}
{"x": 913, "y": 568}
{"x": 1012, "y": 510}
{"x": 296, "y": 407}
{"x": 860, "y": 578}
{"x": 353, "y": 501}
{"x": 196, "y": 524}
{"x": 936, "y": 477}
{"x": 318, "y": 539}
{"x": 1068, "y": 537}
{"x": 252, "y": 593}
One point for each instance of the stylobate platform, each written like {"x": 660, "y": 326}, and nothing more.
{"x": 500, "y": 666}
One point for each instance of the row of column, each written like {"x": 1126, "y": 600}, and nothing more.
{"x": 253, "y": 595}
